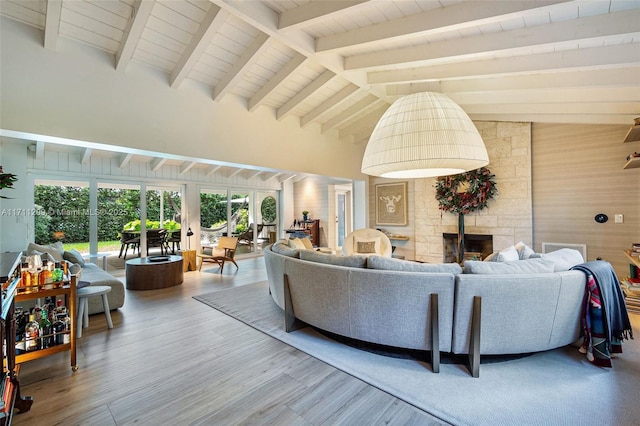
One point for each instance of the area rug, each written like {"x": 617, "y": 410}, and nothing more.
{"x": 558, "y": 387}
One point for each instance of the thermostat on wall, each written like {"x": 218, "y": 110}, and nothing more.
{"x": 601, "y": 218}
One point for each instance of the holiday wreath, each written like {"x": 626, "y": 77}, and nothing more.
{"x": 482, "y": 188}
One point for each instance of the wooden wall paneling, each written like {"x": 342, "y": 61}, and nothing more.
{"x": 577, "y": 173}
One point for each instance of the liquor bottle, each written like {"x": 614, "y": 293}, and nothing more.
{"x": 32, "y": 335}
{"x": 60, "y": 308}
{"x": 25, "y": 277}
{"x": 58, "y": 274}
{"x": 44, "y": 277}
{"x": 46, "y": 339}
{"x": 21, "y": 322}
{"x": 59, "y": 330}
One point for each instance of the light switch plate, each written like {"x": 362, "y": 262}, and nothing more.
{"x": 618, "y": 218}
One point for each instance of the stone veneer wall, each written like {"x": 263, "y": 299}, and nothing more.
{"x": 508, "y": 216}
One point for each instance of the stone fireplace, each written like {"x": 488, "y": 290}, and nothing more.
{"x": 476, "y": 247}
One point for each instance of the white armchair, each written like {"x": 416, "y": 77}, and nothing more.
{"x": 366, "y": 242}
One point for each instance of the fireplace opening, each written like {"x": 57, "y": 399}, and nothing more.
{"x": 476, "y": 247}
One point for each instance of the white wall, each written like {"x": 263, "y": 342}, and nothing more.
{"x": 74, "y": 92}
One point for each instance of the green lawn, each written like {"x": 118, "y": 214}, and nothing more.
{"x": 102, "y": 246}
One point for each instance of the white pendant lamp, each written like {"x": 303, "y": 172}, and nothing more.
{"x": 423, "y": 135}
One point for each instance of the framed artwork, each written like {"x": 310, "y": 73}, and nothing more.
{"x": 391, "y": 203}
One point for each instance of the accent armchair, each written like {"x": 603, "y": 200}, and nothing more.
{"x": 225, "y": 251}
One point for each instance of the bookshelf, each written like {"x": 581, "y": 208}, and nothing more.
{"x": 632, "y": 299}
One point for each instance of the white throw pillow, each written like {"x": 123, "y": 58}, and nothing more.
{"x": 295, "y": 243}
{"x": 524, "y": 251}
{"x": 507, "y": 255}
{"x": 306, "y": 242}
{"x": 564, "y": 259}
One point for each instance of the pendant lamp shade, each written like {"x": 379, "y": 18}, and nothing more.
{"x": 423, "y": 135}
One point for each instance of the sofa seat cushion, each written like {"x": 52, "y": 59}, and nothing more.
{"x": 391, "y": 264}
{"x": 528, "y": 266}
{"x": 353, "y": 261}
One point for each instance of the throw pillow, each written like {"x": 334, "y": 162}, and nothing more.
{"x": 366, "y": 247}
{"x": 358, "y": 243}
{"x": 391, "y": 264}
{"x": 524, "y": 251}
{"x": 306, "y": 242}
{"x": 73, "y": 256}
{"x": 295, "y": 243}
{"x": 353, "y": 261}
{"x": 55, "y": 250}
{"x": 527, "y": 266}
{"x": 507, "y": 255}
{"x": 285, "y": 250}
{"x": 564, "y": 259}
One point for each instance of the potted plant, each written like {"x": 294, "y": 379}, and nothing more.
{"x": 6, "y": 180}
{"x": 305, "y": 215}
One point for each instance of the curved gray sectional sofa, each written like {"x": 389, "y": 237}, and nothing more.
{"x": 437, "y": 308}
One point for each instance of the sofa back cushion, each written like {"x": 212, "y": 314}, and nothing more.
{"x": 353, "y": 261}
{"x": 528, "y": 266}
{"x": 56, "y": 250}
{"x": 391, "y": 264}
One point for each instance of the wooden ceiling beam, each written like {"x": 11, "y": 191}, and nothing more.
{"x": 303, "y": 94}
{"x": 331, "y": 103}
{"x": 276, "y": 81}
{"x": 133, "y": 32}
{"x": 313, "y": 12}
{"x": 207, "y": 29}
{"x": 237, "y": 71}
{"x": 52, "y": 23}
{"x": 454, "y": 17}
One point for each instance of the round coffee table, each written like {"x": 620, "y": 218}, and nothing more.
{"x": 154, "y": 272}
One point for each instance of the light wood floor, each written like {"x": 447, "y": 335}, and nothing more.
{"x": 171, "y": 360}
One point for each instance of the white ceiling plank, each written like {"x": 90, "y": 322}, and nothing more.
{"x": 368, "y": 122}
{"x": 186, "y": 166}
{"x": 353, "y": 110}
{"x": 232, "y": 172}
{"x": 236, "y": 72}
{"x": 311, "y": 88}
{"x": 126, "y": 159}
{"x": 609, "y": 24}
{"x": 614, "y": 77}
{"x": 158, "y": 163}
{"x": 624, "y": 54}
{"x": 269, "y": 175}
{"x": 276, "y": 81}
{"x": 335, "y": 100}
{"x": 602, "y": 108}
{"x": 199, "y": 42}
{"x": 314, "y": 11}
{"x": 565, "y": 118}
{"x": 285, "y": 177}
{"x": 52, "y": 23}
{"x": 250, "y": 174}
{"x": 457, "y": 16}
{"x": 212, "y": 169}
{"x": 133, "y": 32}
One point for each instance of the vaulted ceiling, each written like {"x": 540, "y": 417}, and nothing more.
{"x": 339, "y": 64}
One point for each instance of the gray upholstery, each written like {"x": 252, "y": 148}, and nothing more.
{"x": 354, "y": 261}
{"x": 362, "y": 303}
{"x": 520, "y": 312}
{"x": 528, "y": 266}
{"x": 98, "y": 277}
{"x": 391, "y": 264}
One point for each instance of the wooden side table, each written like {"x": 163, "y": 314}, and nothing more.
{"x": 188, "y": 260}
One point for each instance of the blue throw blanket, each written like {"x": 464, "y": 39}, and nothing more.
{"x": 605, "y": 318}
